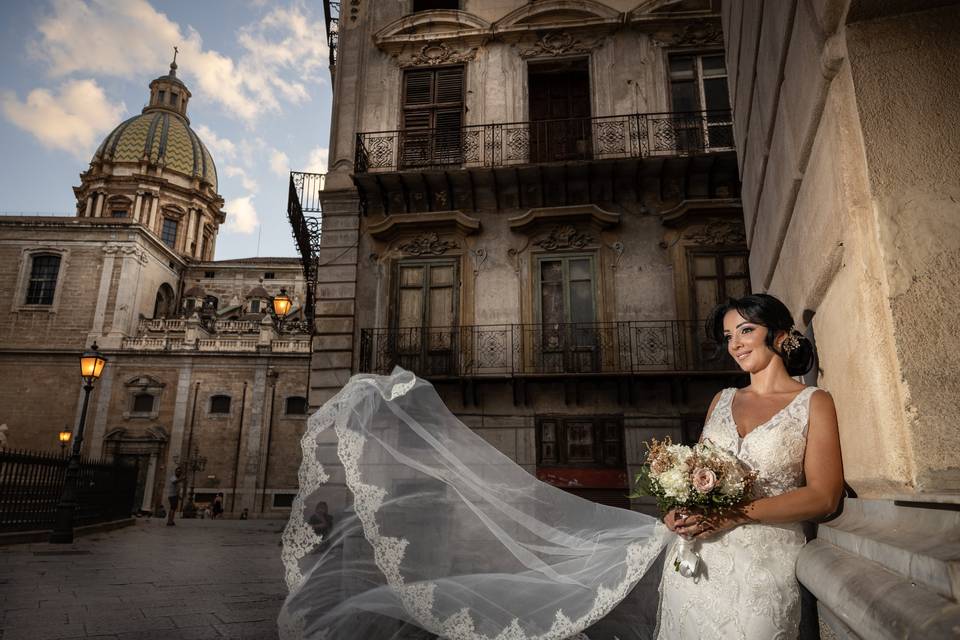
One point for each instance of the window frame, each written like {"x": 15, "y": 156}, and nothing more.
{"x": 27, "y": 255}
{"x": 565, "y": 257}
{"x": 599, "y": 435}
{"x": 698, "y": 79}
{"x": 163, "y": 232}
{"x": 221, "y": 414}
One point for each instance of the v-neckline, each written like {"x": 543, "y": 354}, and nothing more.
{"x": 733, "y": 419}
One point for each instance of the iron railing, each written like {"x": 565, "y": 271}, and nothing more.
{"x": 304, "y": 197}
{"x": 637, "y": 135}
{"x": 31, "y": 484}
{"x": 533, "y": 349}
{"x": 331, "y": 16}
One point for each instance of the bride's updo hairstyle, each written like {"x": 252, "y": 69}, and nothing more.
{"x": 764, "y": 309}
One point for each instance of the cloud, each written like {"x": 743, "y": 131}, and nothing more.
{"x": 279, "y": 163}
{"x": 241, "y": 215}
{"x": 73, "y": 119}
{"x": 282, "y": 53}
{"x": 317, "y": 160}
{"x": 249, "y": 184}
{"x": 222, "y": 149}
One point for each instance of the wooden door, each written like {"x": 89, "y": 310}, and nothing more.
{"x": 568, "y": 341}
{"x": 715, "y": 276}
{"x": 560, "y": 127}
{"x": 425, "y": 316}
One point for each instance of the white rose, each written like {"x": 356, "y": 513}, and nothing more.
{"x": 680, "y": 452}
{"x": 674, "y": 484}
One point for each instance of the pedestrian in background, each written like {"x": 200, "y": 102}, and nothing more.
{"x": 173, "y": 493}
{"x": 217, "y": 506}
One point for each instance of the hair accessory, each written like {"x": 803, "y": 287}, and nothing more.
{"x": 792, "y": 341}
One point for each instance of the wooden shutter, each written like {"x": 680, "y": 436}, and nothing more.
{"x": 432, "y": 117}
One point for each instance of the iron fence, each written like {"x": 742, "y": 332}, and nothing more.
{"x": 637, "y": 135}
{"x": 532, "y": 349}
{"x": 31, "y": 484}
{"x": 304, "y": 197}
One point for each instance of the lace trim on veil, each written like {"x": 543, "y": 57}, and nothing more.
{"x": 299, "y": 538}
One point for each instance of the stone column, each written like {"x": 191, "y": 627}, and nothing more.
{"x": 191, "y": 231}
{"x": 253, "y": 434}
{"x": 179, "y": 418}
{"x": 147, "y": 504}
{"x": 154, "y": 207}
{"x": 106, "y": 274}
{"x": 89, "y": 209}
{"x": 100, "y": 199}
{"x": 98, "y": 426}
{"x": 131, "y": 268}
{"x": 136, "y": 206}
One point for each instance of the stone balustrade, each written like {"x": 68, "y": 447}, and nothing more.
{"x": 161, "y": 324}
{"x": 214, "y": 345}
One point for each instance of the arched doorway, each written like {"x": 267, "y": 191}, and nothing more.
{"x": 145, "y": 451}
{"x": 164, "y": 306}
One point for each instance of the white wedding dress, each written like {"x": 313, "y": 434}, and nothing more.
{"x": 433, "y": 533}
{"x": 746, "y": 588}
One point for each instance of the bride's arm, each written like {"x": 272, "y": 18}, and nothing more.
{"x": 822, "y": 467}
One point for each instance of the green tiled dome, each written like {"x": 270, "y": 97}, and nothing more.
{"x": 160, "y": 137}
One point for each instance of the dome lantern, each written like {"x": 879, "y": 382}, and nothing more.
{"x": 168, "y": 93}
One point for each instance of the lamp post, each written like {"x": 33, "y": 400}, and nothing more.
{"x": 64, "y": 439}
{"x": 91, "y": 366}
{"x": 281, "y": 307}
{"x": 195, "y": 463}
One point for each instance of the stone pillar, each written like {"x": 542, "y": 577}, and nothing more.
{"x": 154, "y": 206}
{"x": 191, "y": 231}
{"x": 100, "y": 200}
{"x": 98, "y": 425}
{"x": 333, "y": 342}
{"x": 136, "y": 206}
{"x": 128, "y": 286}
{"x": 147, "y": 504}
{"x": 181, "y": 404}
{"x": 106, "y": 274}
{"x": 89, "y": 209}
{"x": 253, "y": 434}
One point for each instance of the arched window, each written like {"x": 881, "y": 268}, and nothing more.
{"x": 43, "y": 279}
{"x": 143, "y": 403}
{"x": 296, "y": 406}
{"x": 164, "y": 305}
{"x": 219, "y": 404}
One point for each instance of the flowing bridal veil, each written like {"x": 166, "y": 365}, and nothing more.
{"x": 410, "y": 525}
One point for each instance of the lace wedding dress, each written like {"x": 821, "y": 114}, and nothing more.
{"x": 746, "y": 588}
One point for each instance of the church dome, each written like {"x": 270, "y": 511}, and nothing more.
{"x": 161, "y": 135}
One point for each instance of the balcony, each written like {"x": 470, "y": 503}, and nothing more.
{"x": 640, "y": 156}
{"x": 303, "y": 198}
{"x": 535, "y": 350}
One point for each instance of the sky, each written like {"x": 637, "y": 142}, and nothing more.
{"x": 258, "y": 70}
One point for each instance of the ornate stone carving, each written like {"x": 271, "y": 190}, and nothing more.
{"x": 427, "y": 244}
{"x": 479, "y": 257}
{"x": 558, "y": 43}
{"x": 618, "y": 249}
{"x": 564, "y": 237}
{"x": 718, "y": 232}
{"x": 697, "y": 34}
{"x": 434, "y": 53}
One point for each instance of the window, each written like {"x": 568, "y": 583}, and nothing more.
{"x": 283, "y": 500}
{"x": 698, "y": 82}
{"x": 715, "y": 276}
{"x": 269, "y": 275}
{"x": 296, "y": 406}
{"x": 428, "y": 5}
{"x": 43, "y": 279}
{"x": 220, "y": 404}
{"x": 209, "y": 274}
{"x": 118, "y": 213}
{"x": 569, "y": 340}
{"x": 161, "y": 96}
{"x": 560, "y": 125}
{"x": 425, "y": 314}
{"x": 580, "y": 441}
{"x": 174, "y": 99}
{"x": 254, "y": 306}
{"x": 143, "y": 403}
{"x": 169, "y": 232}
{"x": 432, "y": 117}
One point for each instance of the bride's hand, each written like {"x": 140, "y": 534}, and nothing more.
{"x": 684, "y": 523}
{"x": 714, "y": 525}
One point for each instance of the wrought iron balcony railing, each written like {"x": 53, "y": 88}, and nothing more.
{"x": 510, "y": 350}
{"x": 303, "y": 197}
{"x": 637, "y": 135}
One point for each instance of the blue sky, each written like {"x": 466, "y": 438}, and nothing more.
{"x": 74, "y": 69}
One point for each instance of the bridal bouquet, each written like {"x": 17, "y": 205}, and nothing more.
{"x": 702, "y": 477}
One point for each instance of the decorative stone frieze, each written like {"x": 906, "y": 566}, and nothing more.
{"x": 427, "y": 244}
{"x": 717, "y": 232}
{"x": 434, "y": 53}
{"x": 698, "y": 34}
{"x": 564, "y": 237}
{"x": 560, "y": 43}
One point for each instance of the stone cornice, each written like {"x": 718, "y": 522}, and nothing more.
{"x": 417, "y": 223}
{"x": 546, "y": 216}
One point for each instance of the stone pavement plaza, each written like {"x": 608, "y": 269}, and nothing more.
{"x": 199, "y": 579}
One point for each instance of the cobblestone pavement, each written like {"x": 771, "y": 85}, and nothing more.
{"x": 199, "y": 579}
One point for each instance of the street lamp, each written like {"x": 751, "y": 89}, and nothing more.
{"x": 91, "y": 366}
{"x": 195, "y": 462}
{"x": 281, "y": 307}
{"x": 64, "y": 439}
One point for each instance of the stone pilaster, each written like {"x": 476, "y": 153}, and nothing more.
{"x": 249, "y": 470}
{"x": 334, "y": 339}
{"x": 179, "y": 418}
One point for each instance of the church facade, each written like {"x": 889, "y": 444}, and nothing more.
{"x": 200, "y": 373}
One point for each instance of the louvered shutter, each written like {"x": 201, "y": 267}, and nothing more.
{"x": 432, "y": 117}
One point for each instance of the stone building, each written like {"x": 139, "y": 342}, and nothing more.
{"x": 533, "y": 205}
{"x": 845, "y": 125}
{"x": 198, "y": 369}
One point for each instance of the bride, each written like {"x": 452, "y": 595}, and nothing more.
{"x": 430, "y": 532}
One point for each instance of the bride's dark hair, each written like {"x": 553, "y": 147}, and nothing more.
{"x": 766, "y": 310}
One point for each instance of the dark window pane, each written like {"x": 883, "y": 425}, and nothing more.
{"x": 118, "y": 213}
{"x": 681, "y": 68}
{"x": 296, "y": 406}
{"x": 715, "y": 93}
{"x": 579, "y": 441}
{"x": 581, "y": 301}
{"x": 714, "y": 66}
{"x": 43, "y": 279}
{"x": 283, "y": 500}
{"x": 220, "y": 404}
{"x": 685, "y": 96}
{"x": 169, "y": 232}
{"x": 143, "y": 403}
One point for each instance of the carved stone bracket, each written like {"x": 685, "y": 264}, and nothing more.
{"x": 561, "y": 43}
{"x": 617, "y": 248}
{"x": 717, "y": 232}
{"x": 564, "y": 237}
{"x": 479, "y": 257}
{"x": 697, "y": 34}
{"x": 427, "y": 244}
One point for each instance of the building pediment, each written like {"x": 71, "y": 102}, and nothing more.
{"x": 556, "y": 13}
{"x": 587, "y": 214}
{"x": 434, "y": 222}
